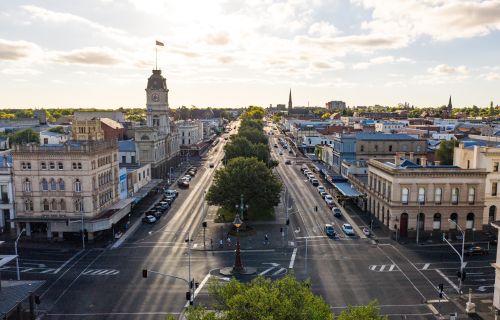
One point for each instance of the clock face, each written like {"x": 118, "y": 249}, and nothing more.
{"x": 156, "y": 97}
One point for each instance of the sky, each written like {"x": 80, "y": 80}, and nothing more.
{"x": 235, "y": 53}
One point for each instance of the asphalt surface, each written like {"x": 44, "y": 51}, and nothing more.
{"x": 104, "y": 283}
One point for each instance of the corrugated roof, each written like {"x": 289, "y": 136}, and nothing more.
{"x": 383, "y": 136}
{"x": 112, "y": 123}
{"x": 126, "y": 146}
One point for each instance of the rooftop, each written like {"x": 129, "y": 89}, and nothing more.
{"x": 383, "y": 136}
{"x": 126, "y": 146}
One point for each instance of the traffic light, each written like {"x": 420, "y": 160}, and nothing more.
{"x": 196, "y": 285}
{"x": 441, "y": 287}
{"x": 204, "y": 224}
{"x": 144, "y": 273}
{"x": 287, "y": 222}
{"x": 459, "y": 274}
{"x": 281, "y": 230}
{"x": 188, "y": 295}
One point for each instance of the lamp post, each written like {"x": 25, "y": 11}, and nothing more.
{"x": 17, "y": 257}
{"x": 241, "y": 206}
{"x": 460, "y": 255}
{"x": 170, "y": 174}
{"x": 238, "y": 266}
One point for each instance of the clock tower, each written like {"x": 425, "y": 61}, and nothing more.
{"x": 157, "y": 103}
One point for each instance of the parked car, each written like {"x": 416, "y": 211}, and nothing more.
{"x": 315, "y": 182}
{"x": 321, "y": 189}
{"x": 183, "y": 184}
{"x": 281, "y": 153}
{"x": 118, "y": 234}
{"x": 275, "y": 145}
{"x": 303, "y": 168}
{"x": 366, "y": 231}
{"x": 290, "y": 151}
{"x": 190, "y": 173}
{"x": 336, "y": 212}
{"x": 329, "y": 201}
{"x": 347, "y": 228}
{"x": 193, "y": 168}
{"x": 329, "y": 230}
{"x": 211, "y": 165}
{"x": 288, "y": 161}
{"x": 323, "y": 194}
{"x": 186, "y": 177}
{"x": 171, "y": 193}
{"x": 149, "y": 219}
{"x": 476, "y": 251}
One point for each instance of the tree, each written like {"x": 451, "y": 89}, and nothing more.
{"x": 57, "y": 129}
{"x": 247, "y": 176}
{"x": 262, "y": 298}
{"x": 326, "y": 116}
{"x": 445, "y": 151}
{"x": 238, "y": 147}
{"x": 368, "y": 312}
{"x": 254, "y": 135}
{"x": 25, "y": 136}
{"x": 253, "y": 112}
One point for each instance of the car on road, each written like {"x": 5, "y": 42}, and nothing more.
{"x": 290, "y": 151}
{"x": 329, "y": 201}
{"x": 366, "y": 231}
{"x": 288, "y": 161}
{"x": 303, "y": 168}
{"x": 285, "y": 146}
{"x": 336, "y": 212}
{"x": 118, "y": 234}
{"x": 190, "y": 173}
{"x": 323, "y": 194}
{"x": 329, "y": 230}
{"x": 211, "y": 165}
{"x": 476, "y": 251}
{"x": 275, "y": 145}
{"x": 186, "y": 178}
{"x": 171, "y": 193}
{"x": 314, "y": 182}
{"x": 307, "y": 172}
{"x": 281, "y": 153}
{"x": 149, "y": 219}
{"x": 183, "y": 184}
{"x": 348, "y": 230}
{"x": 321, "y": 189}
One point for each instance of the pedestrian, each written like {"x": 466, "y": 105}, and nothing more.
{"x": 211, "y": 244}
{"x": 266, "y": 239}
{"x": 228, "y": 240}
{"x": 221, "y": 244}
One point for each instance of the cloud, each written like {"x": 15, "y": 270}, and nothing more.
{"x": 322, "y": 29}
{"x": 490, "y": 76}
{"x": 17, "y": 50}
{"x": 225, "y": 59}
{"x": 444, "y": 69}
{"x": 88, "y": 56}
{"x": 218, "y": 39}
{"x": 380, "y": 60}
{"x": 337, "y": 65}
{"x": 344, "y": 44}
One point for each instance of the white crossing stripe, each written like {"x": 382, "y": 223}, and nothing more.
{"x": 100, "y": 272}
{"x": 382, "y": 268}
{"x": 292, "y": 260}
{"x": 426, "y": 266}
{"x": 280, "y": 271}
{"x": 447, "y": 279}
{"x": 392, "y": 267}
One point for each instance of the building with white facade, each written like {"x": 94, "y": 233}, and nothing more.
{"x": 190, "y": 132}
{"x": 7, "y": 207}
{"x": 48, "y": 137}
{"x": 389, "y": 126}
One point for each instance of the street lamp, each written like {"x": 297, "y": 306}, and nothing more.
{"x": 238, "y": 266}
{"x": 460, "y": 255}
{"x": 170, "y": 174}
{"x": 17, "y": 257}
{"x": 241, "y": 206}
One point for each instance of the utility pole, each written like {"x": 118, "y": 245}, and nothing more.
{"x": 461, "y": 256}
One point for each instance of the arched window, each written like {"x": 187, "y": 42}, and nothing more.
{"x": 362, "y": 148}
{"x": 45, "y": 205}
{"x": 43, "y": 165}
{"x": 62, "y": 204}
{"x": 454, "y": 195}
{"x": 390, "y": 147}
{"x": 492, "y": 214}
{"x": 61, "y": 184}
{"x": 53, "y": 205}
{"x": 454, "y": 221}
{"x": 78, "y": 205}
{"x": 421, "y": 195}
{"x": 404, "y": 196}
{"x": 421, "y": 221}
{"x": 436, "y": 224}
{"x": 470, "y": 221}
{"x": 28, "y": 205}
{"x": 53, "y": 185}
{"x": 438, "y": 195}
{"x": 78, "y": 185}
{"x": 45, "y": 185}
{"x": 27, "y": 185}
{"x": 472, "y": 195}
{"x": 52, "y": 166}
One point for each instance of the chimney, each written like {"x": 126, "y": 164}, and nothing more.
{"x": 411, "y": 156}
{"x": 397, "y": 159}
{"x": 423, "y": 161}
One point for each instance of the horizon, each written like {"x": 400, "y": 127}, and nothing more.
{"x": 236, "y": 54}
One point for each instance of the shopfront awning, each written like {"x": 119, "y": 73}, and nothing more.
{"x": 142, "y": 192}
{"x": 346, "y": 189}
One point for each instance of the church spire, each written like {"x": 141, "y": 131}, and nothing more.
{"x": 450, "y": 106}
{"x": 290, "y": 100}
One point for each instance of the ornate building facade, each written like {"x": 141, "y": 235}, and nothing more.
{"x": 157, "y": 143}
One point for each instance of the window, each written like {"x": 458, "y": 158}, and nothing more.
{"x": 53, "y": 185}
{"x": 73, "y": 165}
{"x": 438, "y": 195}
{"x": 470, "y": 221}
{"x": 26, "y": 165}
{"x": 472, "y": 195}
{"x": 419, "y": 148}
{"x": 114, "y": 157}
{"x": 124, "y": 159}
{"x": 61, "y": 184}
{"x": 390, "y": 147}
{"x": 43, "y": 166}
{"x": 436, "y": 224}
{"x": 132, "y": 159}
{"x": 495, "y": 166}
{"x": 28, "y": 205}
{"x": 362, "y": 148}
{"x": 376, "y": 147}
{"x": 27, "y": 185}
{"x": 421, "y": 195}
{"x": 60, "y": 166}
{"x": 454, "y": 196}
{"x": 52, "y": 166}
{"x": 468, "y": 164}
{"x": 79, "y": 165}
{"x": 53, "y": 205}
{"x": 78, "y": 185}
{"x": 453, "y": 222}
{"x": 404, "y": 147}
{"x": 62, "y": 204}
{"x": 78, "y": 205}
{"x": 494, "y": 186}
{"x": 45, "y": 205}
{"x": 45, "y": 185}
{"x": 404, "y": 195}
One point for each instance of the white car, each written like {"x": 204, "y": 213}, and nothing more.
{"x": 366, "y": 231}
{"x": 186, "y": 178}
{"x": 347, "y": 228}
{"x": 329, "y": 201}
{"x": 321, "y": 189}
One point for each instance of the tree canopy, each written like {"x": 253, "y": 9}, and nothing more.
{"x": 445, "y": 151}
{"x": 25, "y": 136}
{"x": 57, "y": 129}
{"x": 247, "y": 176}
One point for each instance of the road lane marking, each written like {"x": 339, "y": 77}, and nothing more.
{"x": 292, "y": 260}
{"x": 433, "y": 309}
{"x": 279, "y": 272}
{"x": 68, "y": 261}
{"x": 447, "y": 279}
{"x": 426, "y": 266}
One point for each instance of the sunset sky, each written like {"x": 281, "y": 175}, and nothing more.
{"x": 233, "y": 53}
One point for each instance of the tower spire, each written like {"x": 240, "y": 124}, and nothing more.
{"x": 290, "y": 100}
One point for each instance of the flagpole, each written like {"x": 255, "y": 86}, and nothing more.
{"x": 156, "y": 60}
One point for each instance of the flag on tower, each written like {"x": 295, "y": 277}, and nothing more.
{"x": 158, "y": 43}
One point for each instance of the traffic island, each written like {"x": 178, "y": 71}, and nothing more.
{"x": 232, "y": 271}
